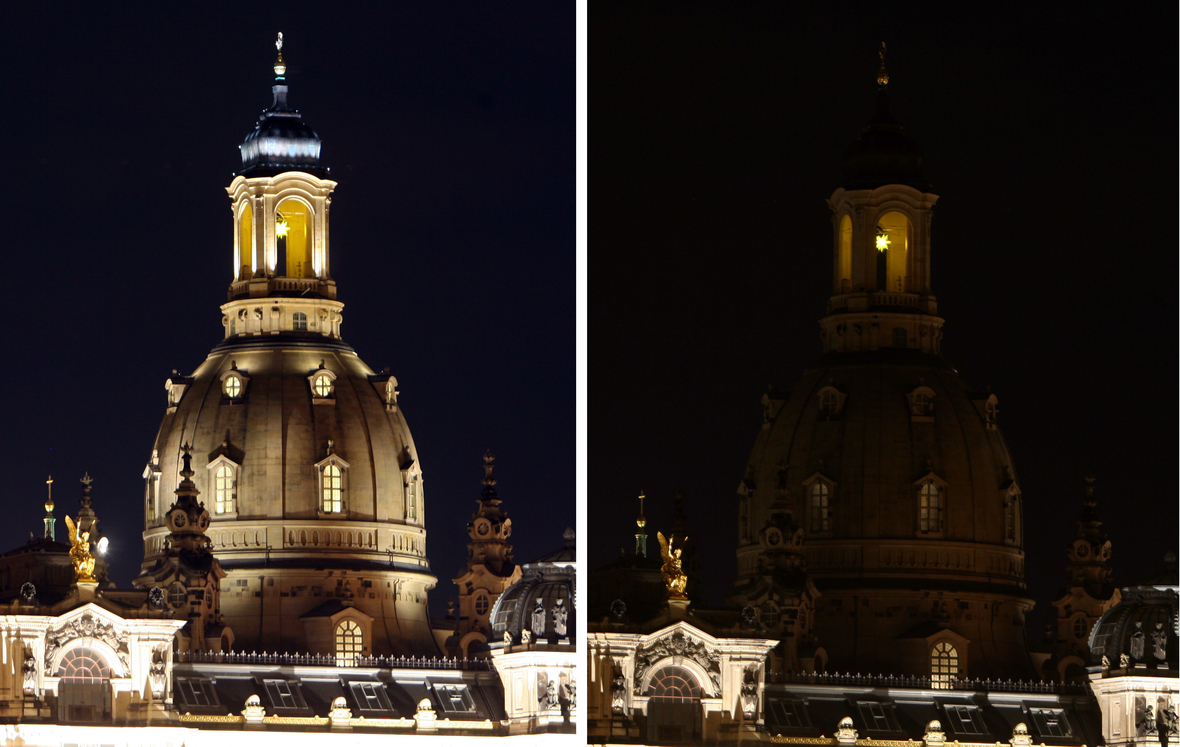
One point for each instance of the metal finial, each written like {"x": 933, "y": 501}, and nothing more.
{"x": 86, "y": 480}
{"x": 489, "y": 464}
{"x": 641, "y": 520}
{"x": 186, "y": 453}
{"x": 280, "y": 66}
{"x": 882, "y": 74}
{"x": 49, "y": 500}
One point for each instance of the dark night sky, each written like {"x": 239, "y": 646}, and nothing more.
{"x": 716, "y": 133}
{"x": 450, "y": 129}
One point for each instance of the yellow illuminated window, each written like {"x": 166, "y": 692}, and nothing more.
{"x": 348, "y": 643}
{"x": 944, "y": 666}
{"x": 223, "y": 490}
{"x": 322, "y": 386}
{"x": 232, "y": 387}
{"x": 412, "y": 500}
{"x": 333, "y": 500}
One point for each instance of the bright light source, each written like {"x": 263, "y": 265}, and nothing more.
{"x": 281, "y": 225}
{"x": 102, "y": 546}
{"x": 882, "y": 242}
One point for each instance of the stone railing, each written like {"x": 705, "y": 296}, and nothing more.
{"x": 925, "y": 683}
{"x": 330, "y": 660}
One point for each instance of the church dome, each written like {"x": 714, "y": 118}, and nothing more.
{"x": 1142, "y": 625}
{"x": 546, "y": 585}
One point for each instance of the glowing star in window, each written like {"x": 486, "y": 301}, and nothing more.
{"x": 282, "y": 227}
{"x": 882, "y": 240}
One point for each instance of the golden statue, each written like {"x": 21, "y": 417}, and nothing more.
{"x": 674, "y": 577}
{"x": 80, "y": 553}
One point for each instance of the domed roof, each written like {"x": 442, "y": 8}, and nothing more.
{"x": 277, "y": 435}
{"x": 545, "y": 585}
{"x": 1145, "y": 618}
{"x": 281, "y": 141}
{"x": 882, "y": 154}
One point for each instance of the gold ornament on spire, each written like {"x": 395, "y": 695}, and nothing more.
{"x": 49, "y": 500}
{"x": 80, "y": 553}
{"x": 280, "y": 66}
{"x": 674, "y": 577}
{"x": 882, "y": 75}
{"x": 641, "y": 520}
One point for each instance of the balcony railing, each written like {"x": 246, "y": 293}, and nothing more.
{"x": 926, "y": 683}
{"x": 330, "y": 660}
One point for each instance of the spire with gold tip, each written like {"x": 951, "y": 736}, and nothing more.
{"x": 49, "y": 518}
{"x": 280, "y": 66}
{"x": 882, "y": 74}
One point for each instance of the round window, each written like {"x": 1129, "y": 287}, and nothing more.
{"x": 323, "y": 386}
{"x": 481, "y": 604}
{"x": 232, "y": 387}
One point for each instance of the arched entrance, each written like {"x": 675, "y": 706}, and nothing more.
{"x": 674, "y": 707}
{"x": 84, "y": 690}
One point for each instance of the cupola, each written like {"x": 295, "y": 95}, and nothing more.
{"x": 281, "y": 141}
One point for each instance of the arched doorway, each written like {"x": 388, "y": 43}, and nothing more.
{"x": 84, "y": 690}
{"x": 674, "y": 707}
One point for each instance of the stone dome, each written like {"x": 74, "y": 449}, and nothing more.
{"x": 277, "y": 436}
{"x": 546, "y": 584}
{"x": 883, "y": 155}
{"x": 1135, "y": 625}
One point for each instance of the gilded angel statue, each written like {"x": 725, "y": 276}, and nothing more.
{"x": 80, "y": 553}
{"x": 674, "y": 577}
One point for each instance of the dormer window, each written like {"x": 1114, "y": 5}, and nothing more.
{"x": 333, "y": 483}
{"x": 819, "y": 490}
{"x": 990, "y": 410}
{"x": 223, "y": 476}
{"x": 323, "y": 385}
{"x": 921, "y": 402}
{"x": 831, "y": 403}
{"x": 931, "y": 504}
{"x": 233, "y": 383}
{"x": 299, "y": 321}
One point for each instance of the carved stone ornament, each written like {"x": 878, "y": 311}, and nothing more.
{"x": 750, "y": 691}
{"x": 29, "y": 669}
{"x": 1159, "y": 642}
{"x": 158, "y": 670}
{"x": 507, "y": 637}
{"x": 677, "y": 644}
{"x": 86, "y": 626}
{"x": 526, "y": 636}
{"x": 618, "y": 687}
{"x": 1124, "y": 661}
{"x": 560, "y": 618}
{"x": 538, "y": 623}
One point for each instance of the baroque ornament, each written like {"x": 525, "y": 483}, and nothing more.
{"x": 676, "y": 644}
{"x": 672, "y": 571}
{"x": 86, "y": 626}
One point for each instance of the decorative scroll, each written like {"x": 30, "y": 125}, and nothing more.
{"x": 86, "y": 626}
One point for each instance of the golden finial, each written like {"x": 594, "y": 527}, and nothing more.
{"x": 882, "y": 75}
{"x": 641, "y": 521}
{"x": 672, "y": 572}
{"x": 280, "y": 66}
{"x": 49, "y": 500}
{"x": 80, "y": 553}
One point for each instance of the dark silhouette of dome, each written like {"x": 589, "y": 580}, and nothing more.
{"x": 882, "y": 154}
{"x": 1142, "y": 625}
{"x": 281, "y": 141}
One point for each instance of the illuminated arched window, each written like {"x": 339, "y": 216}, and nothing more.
{"x": 293, "y": 229}
{"x": 223, "y": 490}
{"x": 820, "y": 518}
{"x": 893, "y": 241}
{"x": 845, "y": 280}
{"x": 930, "y": 507}
{"x": 322, "y": 386}
{"x": 944, "y": 666}
{"x": 674, "y": 682}
{"x": 299, "y": 321}
{"x": 332, "y": 491}
{"x": 245, "y": 242}
{"x": 85, "y": 664}
{"x": 349, "y": 643}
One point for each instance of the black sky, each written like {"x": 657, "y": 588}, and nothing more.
{"x": 716, "y": 133}
{"x": 450, "y": 129}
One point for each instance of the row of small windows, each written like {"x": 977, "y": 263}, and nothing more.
{"x": 921, "y": 404}
{"x": 331, "y": 492}
{"x": 323, "y": 384}
{"x": 931, "y": 509}
{"x": 298, "y": 323}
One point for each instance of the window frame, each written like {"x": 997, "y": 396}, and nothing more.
{"x": 944, "y": 665}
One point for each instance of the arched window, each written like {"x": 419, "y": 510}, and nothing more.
{"x": 299, "y": 321}
{"x": 293, "y": 229}
{"x": 83, "y": 663}
{"x": 245, "y": 268}
{"x": 674, "y": 682}
{"x": 322, "y": 385}
{"x": 332, "y": 493}
{"x": 820, "y": 518}
{"x": 944, "y": 666}
{"x": 1081, "y": 627}
{"x": 349, "y": 643}
{"x": 1011, "y": 516}
{"x": 223, "y": 490}
{"x": 770, "y": 614}
{"x": 894, "y": 236}
{"x": 845, "y": 280}
{"x": 929, "y": 507}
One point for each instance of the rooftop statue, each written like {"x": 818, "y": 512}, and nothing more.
{"x": 674, "y": 577}
{"x": 80, "y": 553}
